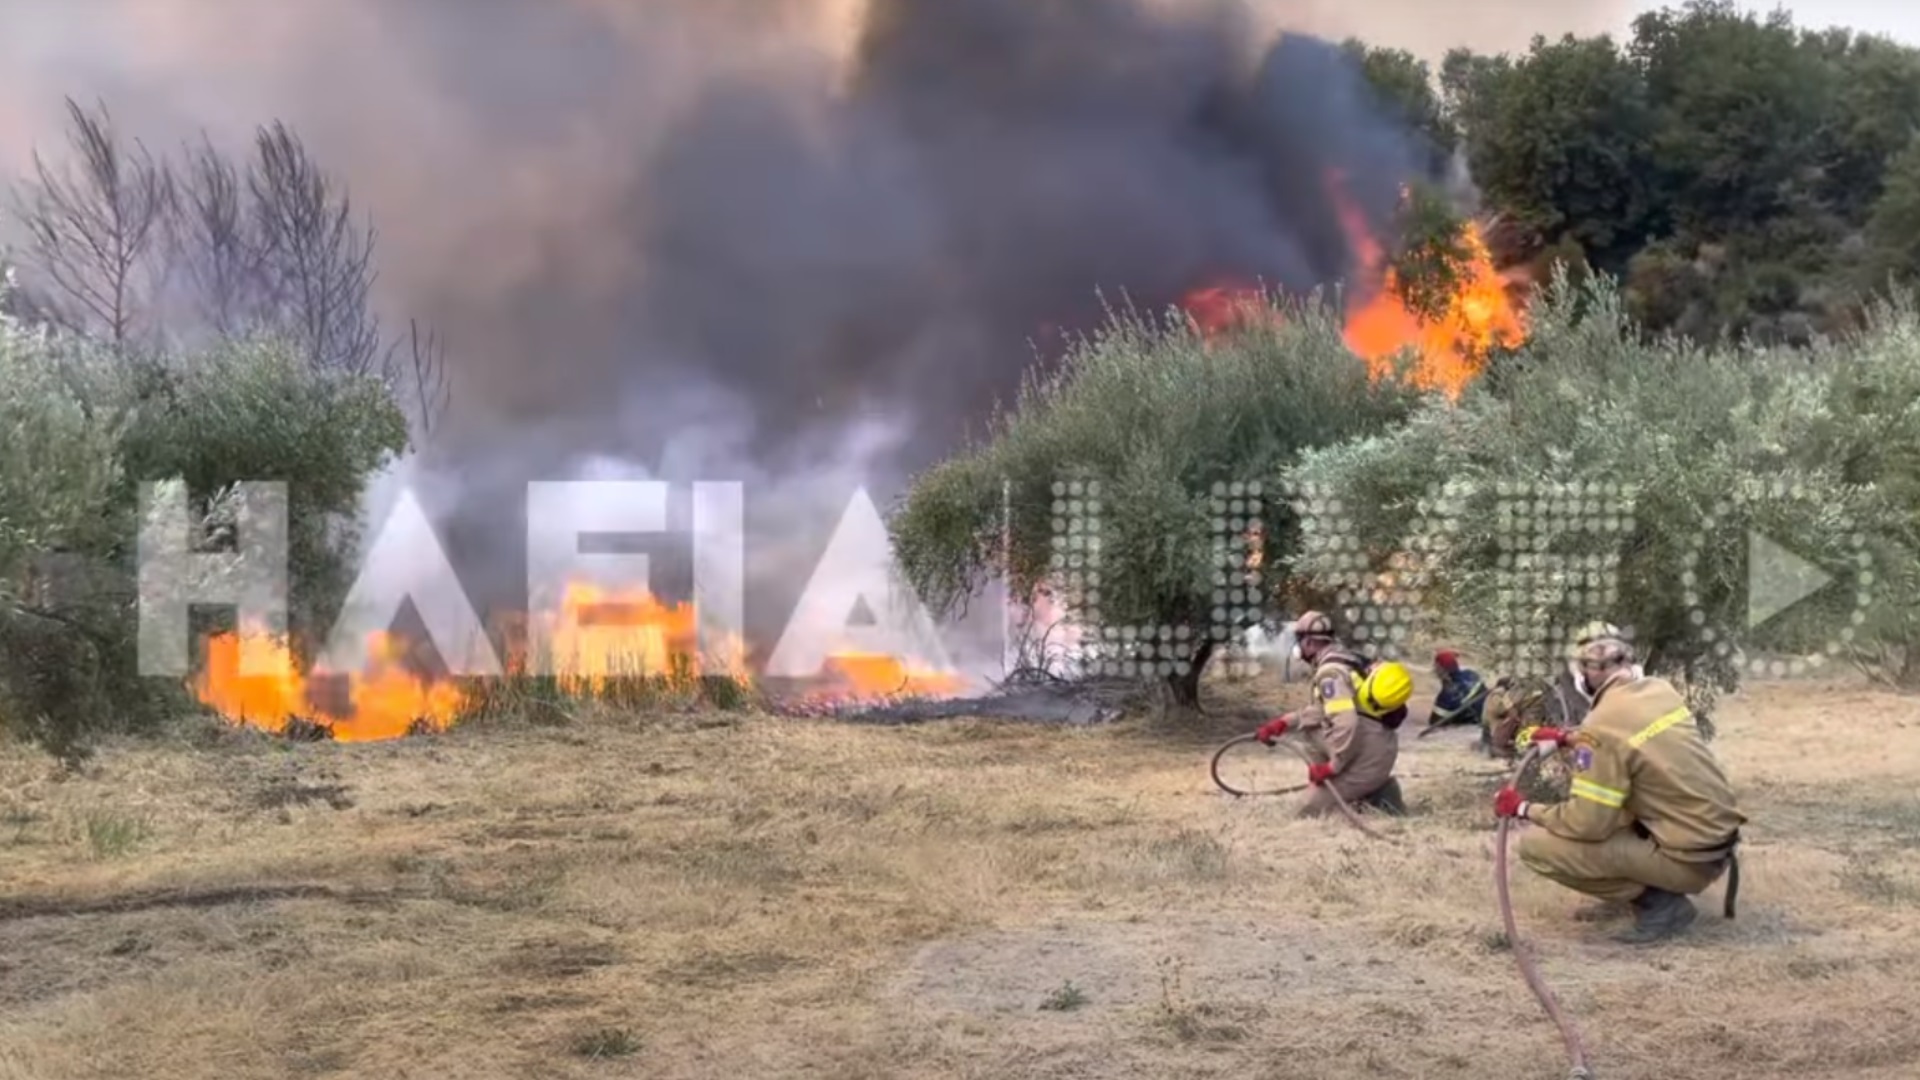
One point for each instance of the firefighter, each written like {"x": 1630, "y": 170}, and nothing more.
{"x": 1335, "y": 666}
{"x": 1651, "y": 819}
{"x": 1463, "y": 694}
{"x": 1354, "y": 741}
{"x": 1336, "y": 670}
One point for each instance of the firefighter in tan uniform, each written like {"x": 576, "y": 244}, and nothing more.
{"x": 1652, "y": 819}
{"x": 1352, "y": 723}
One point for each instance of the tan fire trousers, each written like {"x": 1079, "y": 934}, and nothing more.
{"x": 1618, "y": 868}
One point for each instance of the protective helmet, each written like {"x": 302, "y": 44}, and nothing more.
{"x": 1387, "y": 687}
{"x": 1607, "y": 651}
{"x": 1312, "y": 625}
{"x": 1594, "y": 631}
{"x": 1446, "y": 660}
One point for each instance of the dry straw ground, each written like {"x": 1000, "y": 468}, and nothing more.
{"x": 687, "y": 899}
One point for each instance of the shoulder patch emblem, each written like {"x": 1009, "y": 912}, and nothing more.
{"x": 1329, "y": 689}
{"x": 1582, "y": 758}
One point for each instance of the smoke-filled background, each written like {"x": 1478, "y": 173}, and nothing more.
{"x": 801, "y": 243}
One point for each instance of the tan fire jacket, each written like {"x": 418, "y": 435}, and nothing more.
{"x": 1362, "y": 750}
{"x": 1639, "y": 761}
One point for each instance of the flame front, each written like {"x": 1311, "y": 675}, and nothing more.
{"x": 593, "y": 640}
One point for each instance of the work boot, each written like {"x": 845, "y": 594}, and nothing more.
{"x": 1605, "y": 911}
{"x": 1387, "y": 799}
{"x": 1657, "y": 915}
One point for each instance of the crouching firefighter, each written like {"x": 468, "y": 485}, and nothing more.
{"x": 1353, "y": 741}
{"x": 1463, "y": 694}
{"x": 1651, "y": 819}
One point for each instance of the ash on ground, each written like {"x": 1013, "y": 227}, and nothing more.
{"x": 1074, "y": 703}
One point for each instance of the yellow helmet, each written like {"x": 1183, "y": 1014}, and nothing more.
{"x": 1387, "y": 687}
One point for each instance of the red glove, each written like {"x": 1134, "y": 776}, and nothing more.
{"x": 1551, "y": 736}
{"x": 1319, "y": 773}
{"x": 1509, "y": 804}
{"x": 1273, "y": 729}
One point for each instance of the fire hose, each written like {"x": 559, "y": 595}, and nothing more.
{"x": 1578, "y": 1068}
{"x": 1529, "y": 970}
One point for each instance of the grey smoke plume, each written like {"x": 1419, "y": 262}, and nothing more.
{"x": 711, "y": 237}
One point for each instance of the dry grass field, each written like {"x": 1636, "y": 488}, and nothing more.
{"x": 695, "y": 898}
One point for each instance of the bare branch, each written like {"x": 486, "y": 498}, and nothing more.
{"x": 315, "y": 263}
{"x": 212, "y": 241}
{"x": 424, "y": 374}
{"x": 90, "y": 225}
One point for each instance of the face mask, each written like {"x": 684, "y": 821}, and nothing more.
{"x": 1296, "y": 653}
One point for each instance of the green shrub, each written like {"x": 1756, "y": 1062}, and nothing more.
{"x": 243, "y": 411}
{"x": 81, "y": 427}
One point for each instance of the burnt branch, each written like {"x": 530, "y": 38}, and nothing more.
{"x": 316, "y": 264}
{"x": 422, "y": 375}
{"x": 213, "y": 243}
{"x": 90, "y": 224}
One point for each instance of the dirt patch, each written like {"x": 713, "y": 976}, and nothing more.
{"x": 1121, "y": 965}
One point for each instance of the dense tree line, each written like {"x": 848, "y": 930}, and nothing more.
{"x": 1739, "y": 175}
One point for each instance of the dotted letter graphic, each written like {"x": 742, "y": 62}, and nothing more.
{"x": 1559, "y": 566}
{"x": 1378, "y": 606}
{"x": 1238, "y": 535}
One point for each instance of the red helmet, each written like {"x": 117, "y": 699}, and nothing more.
{"x": 1446, "y": 660}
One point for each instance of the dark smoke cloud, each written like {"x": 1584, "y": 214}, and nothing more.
{"x": 712, "y": 237}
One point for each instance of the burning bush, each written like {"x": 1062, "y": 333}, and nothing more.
{"x": 1158, "y": 412}
{"x": 80, "y": 426}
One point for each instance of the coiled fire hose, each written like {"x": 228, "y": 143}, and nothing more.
{"x": 1529, "y": 970}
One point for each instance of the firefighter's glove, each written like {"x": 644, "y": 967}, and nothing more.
{"x": 1544, "y": 736}
{"x": 1273, "y": 729}
{"x": 1509, "y": 804}
{"x": 1319, "y": 773}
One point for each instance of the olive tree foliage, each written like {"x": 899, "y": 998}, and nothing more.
{"x": 1870, "y": 432}
{"x": 1156, "y": 415}
{"x": 143, "y": 252}
{"x": 82, "y": 426}
{"x": 1706, "y": 446}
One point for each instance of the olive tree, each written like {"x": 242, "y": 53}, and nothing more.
{"x": 1146, "y": 424}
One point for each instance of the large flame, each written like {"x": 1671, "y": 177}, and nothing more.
{"x": 1449, "y": 349}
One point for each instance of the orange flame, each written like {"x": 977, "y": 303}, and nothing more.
{"x": 599, "y": 635}
{"x": 385, "y": 701}
{"x": 1450, "y": 349}
{"x": 874, "y": 675}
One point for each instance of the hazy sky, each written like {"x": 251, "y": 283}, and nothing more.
{"x": 1890, "y": 17}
